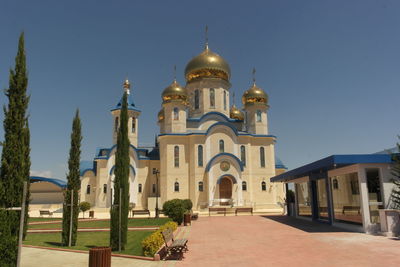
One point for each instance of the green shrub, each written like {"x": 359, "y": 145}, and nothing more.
{"x": 187, "y": 204}
{"x": 174, "y": 209}
{"x": 152, "y": 243}
{"x": 170, "y": 225}
{"x": 84, "y": 206}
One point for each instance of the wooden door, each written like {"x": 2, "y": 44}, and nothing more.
{"x": 225, "y": 189}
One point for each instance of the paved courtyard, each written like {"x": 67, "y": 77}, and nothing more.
{"x": 255, "y": 241}
{"x": 283, "y": 241}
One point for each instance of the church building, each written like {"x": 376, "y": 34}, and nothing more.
{"x": 207, "y": 150}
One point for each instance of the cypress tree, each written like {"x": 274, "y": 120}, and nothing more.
{"x": 73, "y": 183}
{"x": 121, "y": 181}
{"x": 15, "y": 161}
{"x": 396, "y": 173}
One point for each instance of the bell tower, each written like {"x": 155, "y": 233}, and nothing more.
{"x": 133, "y": 115}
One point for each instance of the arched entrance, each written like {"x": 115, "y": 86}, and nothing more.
{"x": 225, "y": 191}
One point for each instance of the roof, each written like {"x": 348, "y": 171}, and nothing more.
{"x": 131, "y": 104}
{"x": 279, "y": 164}
{"x": 331, "y": 162}
{"x": 58, "y": 182}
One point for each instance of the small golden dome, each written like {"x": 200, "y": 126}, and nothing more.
{"x": 207, "y": 65}
{"x": 161, "y": 115}
{"x": 236, "y": 113}
{"x": 255, "y": 95}
{"x": 174, "y": 92}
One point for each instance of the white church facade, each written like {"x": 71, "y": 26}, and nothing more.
{"x": 207, "y": 150}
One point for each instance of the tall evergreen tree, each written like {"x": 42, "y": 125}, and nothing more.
{"x": 15, "y": 161}
{"x": 396, "y": 180}
{"x": 74, "y": 183}
{"x": 121, "y": 181}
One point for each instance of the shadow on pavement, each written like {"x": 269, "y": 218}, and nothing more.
{"x": 305, "y": 225}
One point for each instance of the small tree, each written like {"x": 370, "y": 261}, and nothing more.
{"x": 396, "y": 180}
{"x": 84, "y": 206}
{"x": 174, "y": 209}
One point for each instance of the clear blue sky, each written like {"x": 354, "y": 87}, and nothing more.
{"x": 331, "y": 68}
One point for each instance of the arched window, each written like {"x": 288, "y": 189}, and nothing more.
{"x": 212, "y": 98}
{"x": 88, "y": 189}
{"x": 139, "y": 188}
{"x": 104, "y": 188}
{"x": 243, "y": 155}
{"x": 263, "y": 186}
{"x": 200, "y": 156}
{"x": 196, "y": 99}
{"x": 116, "y": 124}
{"x": 258, "y": 115}
{"x": 176, "y": 187}
{"x": 201, "y": 188}
{"x": 221, "y": 146}
{"x": 244, "y": 186}
{"x": 224, "y": 100}
{"x": 153, "y": 189}
{"x": 176, "y": 114}
{"x": 133, "y": 124}
{"x": 262, "y": 157}
{"x": 335, "y": 184}
{"x": 176, "y": 156}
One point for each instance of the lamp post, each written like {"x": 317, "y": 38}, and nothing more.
{"x": 156, "y": 172}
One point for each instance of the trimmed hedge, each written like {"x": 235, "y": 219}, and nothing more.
{"x": 152, "y": 243}
{"x": 175, "y": 209}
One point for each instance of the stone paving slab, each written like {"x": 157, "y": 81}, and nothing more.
{"x": 283, "y": 241}
{"x": 35, "y": 257}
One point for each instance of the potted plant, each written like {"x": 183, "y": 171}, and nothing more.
{"x": 187, "y": 204}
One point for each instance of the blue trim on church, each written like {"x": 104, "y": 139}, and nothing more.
{"x": 131, "y": 104}
{"x": 57, "y": 182}
{"x": 227, "y": 175}
{"x": 130, "y": 166}
{"x": 209, "y": 114}
{"x": 209, "y": 164}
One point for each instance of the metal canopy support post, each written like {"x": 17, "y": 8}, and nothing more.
{"x": 21, "y": 224}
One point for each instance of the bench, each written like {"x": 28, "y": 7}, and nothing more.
{"x": 45, "y": 212}
{"x": 244, "y": 210}
{"x": 351, "y": 208}
{"x": 174, "y": 245}
{"x": 140, "y": 212}
{"x": 217, "y": 210}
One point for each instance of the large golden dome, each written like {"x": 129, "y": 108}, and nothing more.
{"x": 174, "y": 92}
{"x": 236, "y": 113}
{"x": 161, "y": 115}
{"x": 207, "y": 65}
{"x": 255, "y": 95}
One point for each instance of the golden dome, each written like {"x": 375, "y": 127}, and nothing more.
{"x": 174, "y": 92}
{"x": 161, "y": 115}
{"x": 207, "y": 65}
{"x": 255, "y": 95}
{"x": 236, "y": 113}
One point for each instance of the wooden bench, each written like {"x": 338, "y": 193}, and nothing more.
{"x": 351, "y": 208}
{"x": 174, "y": 245}
{"x": 244, "y": 210}
{"x": 140, "y": 212}
{"x": 45, "y": 212}
{"x": 217, "y": 210}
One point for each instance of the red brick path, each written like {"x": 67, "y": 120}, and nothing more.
{"x": 282, "y": 241}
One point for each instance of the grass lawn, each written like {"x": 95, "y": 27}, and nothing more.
{"x": 43, "y": 219}
{"x": 86, "y": 241}
{"x": 95, "y": 224}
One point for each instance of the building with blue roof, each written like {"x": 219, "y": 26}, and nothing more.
{"x": 343, "y": 190}
{"x": 207, "y": 150}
